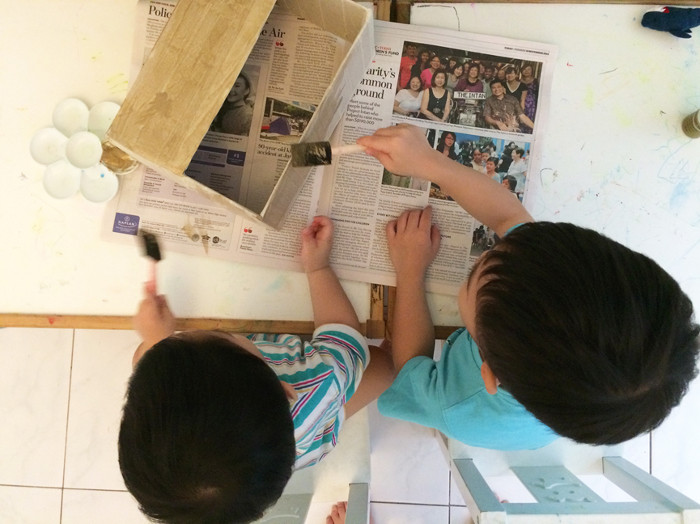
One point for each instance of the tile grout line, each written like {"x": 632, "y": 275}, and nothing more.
{"x": 409, "y": 503}
{"x": 32, "y": 486}
{"x": 65, "y": 444}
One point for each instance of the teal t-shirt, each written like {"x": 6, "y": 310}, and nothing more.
{"x": 449, "y": 395}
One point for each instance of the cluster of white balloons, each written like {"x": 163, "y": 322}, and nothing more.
{"x": 72, "y": 148}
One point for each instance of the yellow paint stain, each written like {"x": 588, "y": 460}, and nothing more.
{"x": 38, "y": 224}
{"x": 118, "y": 83}
{"x": 623, "y": 118}
{"x": 205, "y": 242}
{"x": 589, "y": 98}
{"x": 644, "y": 78}
{"x": 195, "y": 234}
{"x": 188, "y": 229}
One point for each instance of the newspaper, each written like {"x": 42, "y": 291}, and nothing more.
{"x": 242, "y": 156}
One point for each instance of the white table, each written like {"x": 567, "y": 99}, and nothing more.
{"x": 614, "y": 159}
{"x": 54, "y": 262}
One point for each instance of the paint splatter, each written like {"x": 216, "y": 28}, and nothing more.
{"x": 118, "y": 83}
{"x": 196, "y": 235}
{"x": 279, "y": 284}
{"x": 623, "y": 118}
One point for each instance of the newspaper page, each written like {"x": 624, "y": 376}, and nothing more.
{"x": 442, "y": 81}
{"x": 495, "y": 128}
{"x": 246, "y": 149}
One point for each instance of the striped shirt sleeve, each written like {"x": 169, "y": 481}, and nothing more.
{"x": 325, "y": 373}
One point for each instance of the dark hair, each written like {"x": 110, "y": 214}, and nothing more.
{"x": 595, "y": 340}
{"x": 245, "y": 78}
{"x": 511, "y": 69}
{"x": 436, "y": 73}
{"x": 471, "y": 66}
{"x": 519, "y": 151}
{"x": 206, "y": 434}
{"x": 512, "y": 182}
{"x": 493, "y": 159}
{"x": 496, "y": 81}
{"x": 458, "y": 64}
{"x": 408, "y": 85}
{"x": 441, "y": 144}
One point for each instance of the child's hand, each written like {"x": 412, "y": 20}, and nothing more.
{"x": 316, "y": 244}
{"x": 402, "y": 149}
{"x": 413, "y": 243}
{"x": 154, "y": 321}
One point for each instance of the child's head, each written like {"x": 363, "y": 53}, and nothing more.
{"x": 206, "y": 433}
{"x": 509, "y": 182}
{"x": 595, "y": 340}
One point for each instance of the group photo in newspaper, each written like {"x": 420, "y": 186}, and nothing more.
{"x": 481, "y": 100}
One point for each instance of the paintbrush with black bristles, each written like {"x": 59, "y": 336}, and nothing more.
{"x": 320, "y": 153}
{"x": 152, "y": 250}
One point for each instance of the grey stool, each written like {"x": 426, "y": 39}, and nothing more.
{"x": 342, "y": 475}
{"x": 561, "y": 497}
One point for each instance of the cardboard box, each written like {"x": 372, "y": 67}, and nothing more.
{"x": 178, "y": 92}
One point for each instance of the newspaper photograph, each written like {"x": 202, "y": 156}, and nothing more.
{"x": 481, "y": 100}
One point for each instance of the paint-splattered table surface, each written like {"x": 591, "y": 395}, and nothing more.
{"x": 614, "y": 157}
{"x": 53, "y": 260}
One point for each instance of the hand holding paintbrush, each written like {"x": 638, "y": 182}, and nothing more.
{"x": 151, "y": 250}
{"x": 320, "y": 153}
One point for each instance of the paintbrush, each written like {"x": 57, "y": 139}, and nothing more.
{"x": 320, "y": 153}
{"x": 152, "y": 250}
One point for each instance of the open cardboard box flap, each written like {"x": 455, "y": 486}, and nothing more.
{"x": 191, "y": 69}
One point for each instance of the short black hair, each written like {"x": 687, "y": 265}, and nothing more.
{"x": 597, "y": 341}
{"x": 206, "y": 434}
{"x": 512, "y": 182}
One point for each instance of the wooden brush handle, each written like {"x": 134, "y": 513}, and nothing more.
{"x": 347, "y": 149}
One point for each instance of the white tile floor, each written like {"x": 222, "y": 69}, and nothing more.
{"x": 60, "y": 398}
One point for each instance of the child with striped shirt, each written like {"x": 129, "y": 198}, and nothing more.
{"x": 214, "y": 423}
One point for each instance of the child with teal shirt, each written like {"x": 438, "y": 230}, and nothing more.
{"x": 567, "y": 331}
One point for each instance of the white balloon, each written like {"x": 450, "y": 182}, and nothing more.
{"x": 61, "y": 179}
{"x": 98, "y": 184}
{"x": 48, "y": 145}
{"x": 71, "y": 116}
{"x": 100, "y": 118}
{"x": 84, "y": 149}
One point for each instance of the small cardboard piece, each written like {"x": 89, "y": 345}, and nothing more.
{"x": 191, "y": 69}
